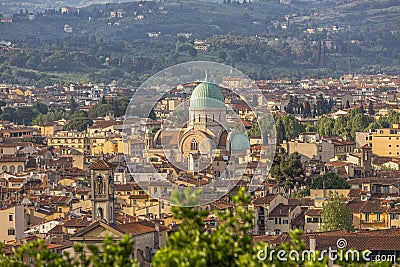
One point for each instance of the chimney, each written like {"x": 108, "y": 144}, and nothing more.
{"x": 313, "y": 242}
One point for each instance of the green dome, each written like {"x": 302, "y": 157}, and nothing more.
{"x": 239, "y": 142}
{"x": 207, "y": 95}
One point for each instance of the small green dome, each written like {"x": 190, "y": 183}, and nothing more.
{"x": 239, "y": 142}
{"x": 207, "y": 95}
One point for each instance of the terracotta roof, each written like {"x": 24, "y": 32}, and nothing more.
{"x": 127, "y": 187}
{"x": 299, "y": 219}
{"x": 281, "y": 210}
{"x": 263, "y": 238}
{"x": 220, "y": 205}
{"x": 354, "y": 192}
{"x": 304, "y": 202}
{"x": 264, "y": 200}
{"x": 59, "y": 200}
{"x": 102, "y": 165}
{"x": 134, "y": 228}
{"x": 313, "y": 212}
{"x": 373, "y": 240}
{"x": 381, "y": 160}
{"x": 76, "y": 222}
{"x": 383, "y": 180}
{"x": 357, "y": 205}
{"x": 56, "y": 230}
{"x": 381, "y": 240}
{"x": 338, "y": 163}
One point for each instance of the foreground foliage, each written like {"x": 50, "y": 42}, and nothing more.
{"x": 192, "y": 245}
{"x": 112, "y": 254}
{"x": 336, "y": 215}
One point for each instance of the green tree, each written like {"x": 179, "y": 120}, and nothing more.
{"x": 292, "y": 126}
{"x": 340, "y": 126}
{"x": 9, "y": 114}
{"x": 103, "y": 100}
{"x": 393, "y": 117}
{"x": 78, "y": 124}
{"x": 229, "y": 245}
{"x": 112, "y": 254}
{"x": 329, "y": 180}
{"x": 336, "y": 215}
{"x": 325, "y": 126}
{"x": 73, "y": 106}
{"x": 371, "y": 110}
{"x": 39, "y": 107}
{"x": 323, "y": 106}
{"x": 25, "y": 115}
{"x": 288, "y": 173}
{"x": 254, "y": 131}
{"x": 280, "y": 132}
{"x": 347, "y": 106}
{"x": 307, "y": 110}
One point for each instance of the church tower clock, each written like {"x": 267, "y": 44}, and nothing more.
{"x": 102, "y": 188}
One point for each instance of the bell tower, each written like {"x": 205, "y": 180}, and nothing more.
{"x": 102, "y": 188}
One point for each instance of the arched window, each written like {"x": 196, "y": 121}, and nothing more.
{"x": 194, "y": 145}
{"x": 100, "y": 187}
{"x": 12, "y": 169}
{"x": 100, "y": 214}
{"x": 20, "y": 169}
{"x": 4, "y": 168}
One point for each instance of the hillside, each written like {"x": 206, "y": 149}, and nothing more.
{"x": 129, "y": 41}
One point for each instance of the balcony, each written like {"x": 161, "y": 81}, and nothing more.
{"x": 381, "y": 222}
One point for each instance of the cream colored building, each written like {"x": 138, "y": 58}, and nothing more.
{"x": 312, "y": 146}
{"x": 77, "y": 140}
{"x": 12, "y": 223}
{"x": 147, "y": 236}
{"x": 386, "y": 142}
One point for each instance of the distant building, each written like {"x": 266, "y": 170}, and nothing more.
{"x": 153, "y": 34}
{"x": 6, "y": 20}
{"x": 200, "y": 45}
{"x": 68, "y": 28}
{"x": 69, "y": 10}
{"x": 148, "y": 235}
{"x": 312, "y": 146}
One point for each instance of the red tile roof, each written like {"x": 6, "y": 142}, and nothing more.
{"x": 102, "y": 165}
{"x": 314, "y": 212}
{"x": 264, "y": 200}
{"x": 381, "y": 240}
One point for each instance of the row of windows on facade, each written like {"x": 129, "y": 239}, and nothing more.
{"x": 12, "y": 168}
{"x": 71, "y": 141}
{"x": 194, "y": 145}
{"x": 340, "y": 149}
{"x": 280, "y": 221}
{"x": 11, "y": 231}
{"x": 393, "y": 216}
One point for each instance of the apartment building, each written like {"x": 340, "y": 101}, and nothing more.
{"x": 386, "y": 141}
{"x": 12, "y": 223}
